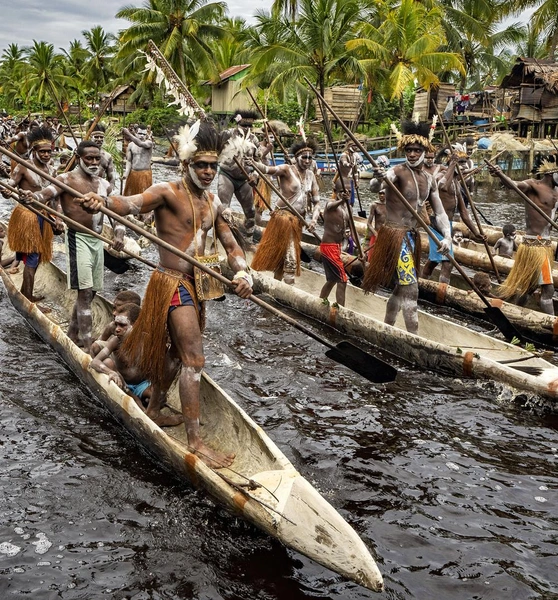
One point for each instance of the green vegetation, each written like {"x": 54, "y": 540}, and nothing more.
{"x": 386, "y": 47}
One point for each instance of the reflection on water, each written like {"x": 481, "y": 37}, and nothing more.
{"x": 451, "y": 485}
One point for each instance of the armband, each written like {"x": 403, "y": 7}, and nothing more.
{"x": 246, "y": 276}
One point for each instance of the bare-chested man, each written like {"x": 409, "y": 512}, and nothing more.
{"x": 19, "y": 143}
{"x": 449, "y": 189}
{"x": 138, "y": 173}
{"x": 279, "y": 249}
{"x": 185, "y": 212}
{"x": 84, "y": 252}
{"x": 29, "y": 236}
{"x": 106, "y": 168}
{"x": 376, "y": 219}
{"x": 396, "y": 253}
{"x": 532, "y": 266}
{"x": 231, "y": 178}
{"x": 336, "y": 224}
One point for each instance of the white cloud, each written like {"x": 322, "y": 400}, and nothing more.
{"x": 62, "y": 21}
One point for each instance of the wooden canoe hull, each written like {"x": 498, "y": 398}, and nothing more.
{"x": 441, "y": 345}
{"x": 286, "y": 506}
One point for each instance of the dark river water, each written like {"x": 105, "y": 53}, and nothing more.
{"x": 450, "y": 484}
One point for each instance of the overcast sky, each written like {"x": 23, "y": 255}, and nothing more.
{"x": 61, "y": 21}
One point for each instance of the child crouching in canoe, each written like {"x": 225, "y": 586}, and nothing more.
{"x": 111, "y": 361}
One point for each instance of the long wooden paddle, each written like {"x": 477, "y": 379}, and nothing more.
{"x": 74, "y": 224}
{"x": 345, "y": 353}
{"x": 14, "y": 194}
{"x": 352, "y": 225}
{"x": 258, "y": 108}
{"x": 469, "y": 197}
{"x": 512, "y": 185}
{"x": 494, "y": 313}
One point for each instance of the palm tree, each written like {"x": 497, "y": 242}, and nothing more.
{"x": 313, "y": 46}
{"x": 544, "y": 20}
{"x": 231, "y": 49}
{"x": 11, "y": 64}
{"x": 401, "y": 44}
{"x": 473, "y": 29}
{"x": 182, "y": 29}
{"x": 100, "y": 50}
{"x": 44, "y": 72}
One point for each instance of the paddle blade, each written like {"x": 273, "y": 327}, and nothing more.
{"x": 114, "y": 264}
{"x": 370, "y": 367}
{"x": 362, "y": 214}
{"x": 502, "y": 322}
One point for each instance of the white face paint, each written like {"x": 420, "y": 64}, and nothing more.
{"x": 555, "y": 178}
{"x": 92, "y": 170}
{"x": 196, "y": 179}
{"x": 142, "y": 134}
{"x": 417, "y": 162}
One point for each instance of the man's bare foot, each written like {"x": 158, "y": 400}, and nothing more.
{"x": 13, "y": 270}
{"x": 212, "y": 458}
{"x": 164, "y": 420}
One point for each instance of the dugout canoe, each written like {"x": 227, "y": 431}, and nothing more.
{"x": 441, "y": 345}
{"x": 534, "y": 324}
{"x": 261, "y": 485}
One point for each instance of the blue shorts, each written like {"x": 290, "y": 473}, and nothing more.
{"x": 181, "y": 297}
{"x": 138, "y": 388}
{"x": 30, "y": 260}
{"x": 434, "y": 255}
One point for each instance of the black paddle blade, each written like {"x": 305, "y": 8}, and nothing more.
{"x": 114, "y": 264}
{"x": 361, "y": 362}
{"x": 502, "y": 322}
{"x": 362, "y": 214}
{"x": 304, "y": 257}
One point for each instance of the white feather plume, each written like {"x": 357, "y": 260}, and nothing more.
{"x": 236, "y": 146}
{"x": 186, "y": 140}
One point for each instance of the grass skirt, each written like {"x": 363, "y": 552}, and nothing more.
{"x": 137, "y": 182}
{"x": 25, "y": 235}
{"x": 524, "y": 278}
{"x": 265, "y": 191}
{"x": 282, "y": 229}
{"x": 384, "y": 257}
{"x": 146, "y": 345}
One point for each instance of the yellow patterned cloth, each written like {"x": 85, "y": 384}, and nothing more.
{"x": 406, "y": 271}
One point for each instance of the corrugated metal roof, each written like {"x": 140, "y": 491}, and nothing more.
{"x": 227, "y": 73}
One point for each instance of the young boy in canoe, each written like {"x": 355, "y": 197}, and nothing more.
{"x": 336, "y": 223}
{"x": 114, "y": 363}
{"x": 506, "y": 245}
{"x": 120, "y": 300}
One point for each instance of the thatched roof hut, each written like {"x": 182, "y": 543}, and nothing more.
{"x": 535, "y": 105}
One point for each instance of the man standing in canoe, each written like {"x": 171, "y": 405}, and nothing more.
{"x": 29, "y": 236}
{"x": 231, "y": 178}
{"x": 451, "y": 195}
{"x": 279, "y": 249}
{"x": 185, "y": 212}
{"x": 138, "y": 172}
{"x": 533, "y": 262}
{"x": 84, "y": 253}
{"x": 106, "y": 168}
{"x": 396, "y": 253}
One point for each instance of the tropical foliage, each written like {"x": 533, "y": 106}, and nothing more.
{"x": 388, "y": 47}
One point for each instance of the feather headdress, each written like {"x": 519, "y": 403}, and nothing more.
{"x": 197, "y": 139}
{"x": 548, "y": 166}
{"x": 415, "y": 132}
{"x": 237, "y": 146}
{"x": 186, "y": 141}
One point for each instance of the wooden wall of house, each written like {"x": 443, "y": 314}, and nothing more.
{"x": 228, "y": 97}
{"x": 440, "y": 96}
{"x": 346, "y": 101}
